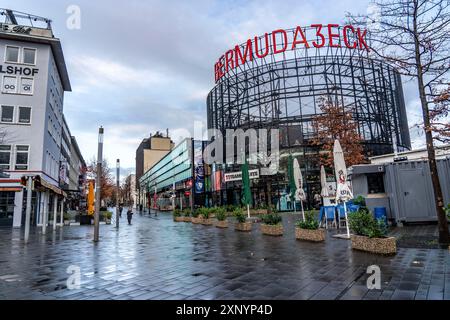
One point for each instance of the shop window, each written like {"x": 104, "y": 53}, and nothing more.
{"x": 22, "y": 157}
{"x": 7, "y": 204}
{"x": 29, "y": 56}
{"x": 12, "y": 54}
{"x": 25, "y": 115}
{"x": 5, "y": 157}
{"x": 7, "y": 114}
{"x": 375, "y": 183}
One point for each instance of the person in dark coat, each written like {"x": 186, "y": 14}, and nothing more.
{"x": 129, "y": 215}
{"x": 120, "y": 210}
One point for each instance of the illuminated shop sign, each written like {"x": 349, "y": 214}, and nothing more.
{"x": 281, "y": 40}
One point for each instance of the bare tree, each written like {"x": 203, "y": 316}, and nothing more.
{"x": 414, "y": 36}
{"x": 336, "y": 122}
{"x": 107, "y": 185}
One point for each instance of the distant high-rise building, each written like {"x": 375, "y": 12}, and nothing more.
{"x": 149, "y": 152}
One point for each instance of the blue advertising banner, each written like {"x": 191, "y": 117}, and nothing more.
{"x": 199, "y": 172}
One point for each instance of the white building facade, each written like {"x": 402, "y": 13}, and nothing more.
{"x": 33, "y": 79}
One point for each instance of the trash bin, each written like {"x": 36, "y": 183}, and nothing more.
{"x": 380, "y": 213}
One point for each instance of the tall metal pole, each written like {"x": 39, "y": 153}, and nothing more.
{"x": 191, "y": 195}
{"x": 28, "y": 209}
{"x": 118, "y": 191}
{"x": 97, "y": 185}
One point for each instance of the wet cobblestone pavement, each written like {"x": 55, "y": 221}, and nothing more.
{"x": 156, "y": 258}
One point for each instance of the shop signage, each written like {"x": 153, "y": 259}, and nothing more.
{"x": 13, "y": 28}
{"x": 280, "y": 41}
{"x": 21, "y": 71}
{"x": 237, "y": 176}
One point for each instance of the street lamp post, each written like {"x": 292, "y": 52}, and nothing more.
{"x": 28, "y": 208}
{"x": 117, "y": 196}
{"x": 97, "y": 185}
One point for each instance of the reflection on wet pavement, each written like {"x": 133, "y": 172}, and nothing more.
{"x": 156, "y": 258}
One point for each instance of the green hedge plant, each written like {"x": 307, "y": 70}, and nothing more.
{"x": 310, "y": 222}
{"x": 363, "y": 223}
{"x": 271, "y": 219}
{"x": 221, "y": 214}
{"x": 447, "y": 211}
{"x": 238, "y": 213}
{"x": 177, "y": 213}
{"x": 186, "y": 212}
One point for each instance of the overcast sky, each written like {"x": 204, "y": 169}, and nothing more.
{"x": 141, "y": 66}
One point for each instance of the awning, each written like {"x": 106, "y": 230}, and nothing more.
{"x": 13, "y": 189}
{"x": 38, "y": 182}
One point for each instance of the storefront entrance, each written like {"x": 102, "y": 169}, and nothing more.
{"x": 7, "y": 208}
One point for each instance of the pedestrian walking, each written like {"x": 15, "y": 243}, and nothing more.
{"x": 129, "y": 215}
{"x": 120, "y": 210}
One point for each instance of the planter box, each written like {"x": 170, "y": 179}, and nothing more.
{"x": 310, "y": 235}
{"x": 187, "y": 219}
{"x": 387, "y": 246}
{"x": 243, "y": 226}
{"x": 221, "y": 224}
{"x": 66, "y": 222}
{"x": 272, "y": 230}
{"x": 108, "y": 221}
{"x": 197, "y": 220}
{"x": 207, "y": 222}
{"x": 178, "y": 219}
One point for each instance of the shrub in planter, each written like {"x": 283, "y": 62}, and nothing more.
{"x": 107, "y": 216}
{"x": 196, "y": 217}
{"x": 242, "y": 224}
{"x": 309, "y": 228}
{"x": 271, "y": 224}
{"x": 186, "y": 215}
{"x": 206, "y": 216}
{"x": 177, "y": 216}
{"x": 360, "y": 201}
{"x": 447, "y": 211}
{"x": 221, "y": 216}
{"x": 370, "y": 234}
{"x": 66, "y": 217}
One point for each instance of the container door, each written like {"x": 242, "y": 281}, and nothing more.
{"x": 414, "y": 194}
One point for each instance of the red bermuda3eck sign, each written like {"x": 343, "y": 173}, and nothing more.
{"x": 279, "y": 41}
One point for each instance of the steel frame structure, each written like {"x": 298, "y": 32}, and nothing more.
{"x": 282, "y": 91}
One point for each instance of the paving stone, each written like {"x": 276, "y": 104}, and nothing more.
{"x": 156, "y": 258}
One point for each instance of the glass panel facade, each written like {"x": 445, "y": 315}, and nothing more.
{"x": 173, "y": 168}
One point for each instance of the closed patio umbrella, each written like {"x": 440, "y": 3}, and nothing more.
{"x": 323, "y": 182}
{"x": 343, "y": 192}
{"x": 292, "y": 182}
{"x": 299, "y": 194}
{"x": 246, "y": 193}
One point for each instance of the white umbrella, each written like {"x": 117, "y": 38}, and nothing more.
{"x": 323, "y": 182}
{"x": 299, "y": 193}
{"x": 343, "y": 192}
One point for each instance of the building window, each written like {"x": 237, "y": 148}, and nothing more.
{"x": 375, "y": 183}
{"x": 5, "y": 157}
{"x": 9, "y": 84}
{"x": 7, "y": 204}
{"x": 29, "y": 56}
{"x": 22, "y": 157}
{"x": 26, "y": 85}
{"x": 25, "y": 115}
{"x": 12, "y": 54}
{"x": 7, "y": 114}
